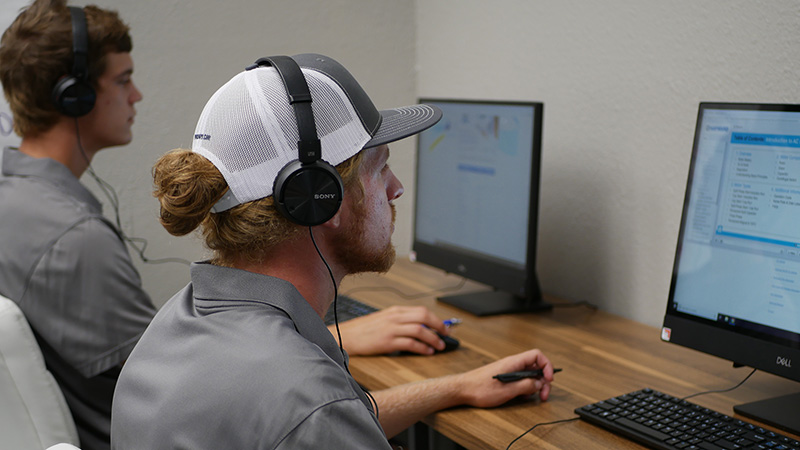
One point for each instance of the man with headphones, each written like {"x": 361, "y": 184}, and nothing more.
{"x": 66, "y": 73}
{"x": 289, "y": 182}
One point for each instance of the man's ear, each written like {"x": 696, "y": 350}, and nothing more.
{"x": 335, "y": 221}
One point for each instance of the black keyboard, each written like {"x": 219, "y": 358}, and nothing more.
{"x": 662, "y": 421}
{"x": 348, "y": 308}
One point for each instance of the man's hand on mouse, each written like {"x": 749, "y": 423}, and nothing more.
{"x": 395, "y": 329}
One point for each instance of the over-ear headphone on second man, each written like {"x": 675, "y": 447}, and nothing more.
{"x": 73, "y": 95}
{"x": 308, "y": 190}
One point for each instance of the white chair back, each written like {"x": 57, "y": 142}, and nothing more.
{"x": 33, "y": 412}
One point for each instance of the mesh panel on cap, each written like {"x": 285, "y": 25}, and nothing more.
{"x": 249, "y": 144}
{"x": 249, "y": 132}
{"x": 336, "y": 114}
{"x": 339, "y": 128}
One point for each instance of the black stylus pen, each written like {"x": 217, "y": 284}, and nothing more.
{"x": 516, "y": 376}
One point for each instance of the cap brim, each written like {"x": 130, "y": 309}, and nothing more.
{"x": 399, "y": 123}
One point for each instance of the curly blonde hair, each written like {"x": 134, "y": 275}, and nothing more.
{"x": 187, "y": 185}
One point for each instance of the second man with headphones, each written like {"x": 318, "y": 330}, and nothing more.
{"x": 61, "y": 260}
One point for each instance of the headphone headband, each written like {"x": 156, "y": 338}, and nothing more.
{"x": 73, "y": 95}
{"x": 308, "y": 147}
{"x": 308, "y": 190}
{"x": 80, "y": 44}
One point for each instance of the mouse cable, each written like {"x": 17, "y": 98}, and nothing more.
{"x": 540, "y": 424}
{"x": 336, "y": 320}
{"x": 138, "y": 244}
{"x": 717, "y": 391}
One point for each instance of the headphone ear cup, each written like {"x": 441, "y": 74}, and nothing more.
{"x": 308, "y": 194}
{"x": 73, "y": 97}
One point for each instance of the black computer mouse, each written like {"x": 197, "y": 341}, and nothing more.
{"x": 450, "y": 343}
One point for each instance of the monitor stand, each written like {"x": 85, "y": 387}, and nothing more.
{"x": 487, "y": 303}
{"x": 782, "y": 412}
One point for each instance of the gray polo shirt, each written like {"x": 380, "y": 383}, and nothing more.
{"x": 239, "y": 360}
{"x": 69, "y": 271}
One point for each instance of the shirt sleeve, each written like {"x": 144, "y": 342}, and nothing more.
{"x": 85, "y": 298}
{"x": 340, "y": 424}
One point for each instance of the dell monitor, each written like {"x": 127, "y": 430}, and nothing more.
{"x": 476, "y": 201}
{"x": 735, "y": 290}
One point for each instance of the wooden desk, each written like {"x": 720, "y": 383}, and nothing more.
{"x": 602, "y": 355}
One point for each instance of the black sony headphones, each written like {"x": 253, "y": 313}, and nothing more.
{"x": 72, "y": 94}
{"x": 308, "y": 190}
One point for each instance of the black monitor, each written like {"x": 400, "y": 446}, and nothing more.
{"x": 735, "y": 290}
{"x": 476, "y": 201}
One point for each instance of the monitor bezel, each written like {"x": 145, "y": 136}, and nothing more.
{"x": 756, "y": 350}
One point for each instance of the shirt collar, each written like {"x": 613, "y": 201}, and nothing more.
{"x": 18, "y": 164}
{"x": 224, "y": 286}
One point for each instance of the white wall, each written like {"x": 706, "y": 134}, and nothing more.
{"x": 185, "y": 49}
{"x": 8, "y": 11}
{"x": 621, "y": 80}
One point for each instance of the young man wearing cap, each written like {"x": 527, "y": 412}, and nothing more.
{"x": 70, "y": 90}
{"x": 61, "y": 260}
{"x": 241, "y": 358}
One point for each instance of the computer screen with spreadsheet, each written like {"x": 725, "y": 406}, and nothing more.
{"x": 476, "y": 200}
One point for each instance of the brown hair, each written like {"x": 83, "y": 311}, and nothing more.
{"x": 187, "y": 185}
{"x": 36, "y": 51}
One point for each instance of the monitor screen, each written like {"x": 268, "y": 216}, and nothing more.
{"x": 476, "y": 200}
{"x": 735, "y": 290}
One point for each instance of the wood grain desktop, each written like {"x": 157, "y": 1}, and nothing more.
{"x": 602, "y": 355}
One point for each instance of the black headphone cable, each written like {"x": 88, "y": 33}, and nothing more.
{"x": 336, "y": 319}
{"x": 138, "y": 244}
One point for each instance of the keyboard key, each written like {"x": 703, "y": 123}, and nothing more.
{"x": 709, "y": 446}
{"x": 655, "y": 434}
{"x": 347, "y": 308}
